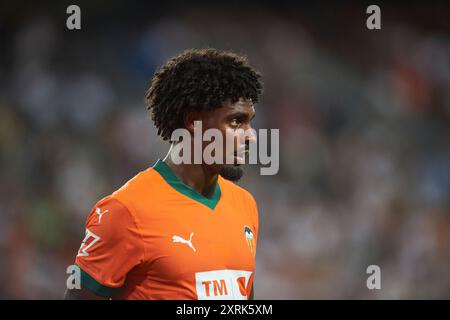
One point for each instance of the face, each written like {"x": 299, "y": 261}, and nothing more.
{"x": 229, "y": 119}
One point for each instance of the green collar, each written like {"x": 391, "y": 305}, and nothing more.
{"x": 164, "y": 170}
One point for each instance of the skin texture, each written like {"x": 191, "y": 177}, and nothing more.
{"x": 201, "y": 177}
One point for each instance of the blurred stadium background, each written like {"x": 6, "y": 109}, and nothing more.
{"x": 364, "y": 119}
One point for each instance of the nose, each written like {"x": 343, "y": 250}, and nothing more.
{"x": 251, "y": 137}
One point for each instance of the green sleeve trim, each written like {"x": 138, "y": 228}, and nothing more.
{"x": 93, "y": 285}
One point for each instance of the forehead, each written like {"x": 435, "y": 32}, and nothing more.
{"x": 242, "y": 105}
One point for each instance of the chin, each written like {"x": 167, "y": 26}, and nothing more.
{"x": 232, "y": 172}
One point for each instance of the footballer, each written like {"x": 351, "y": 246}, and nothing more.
{"x": 180, "y": 230}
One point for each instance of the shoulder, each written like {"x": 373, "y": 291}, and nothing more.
{"x": 110, "y": 221}
{"x": 145, "y": 185}
{"x": 245, "y": 198}
{"x": 138, "y": 194}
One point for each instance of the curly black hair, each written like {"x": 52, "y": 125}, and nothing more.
{"x": 199, "y": 80}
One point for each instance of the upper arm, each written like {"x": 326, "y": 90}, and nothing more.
{"x": 111, "y": 247}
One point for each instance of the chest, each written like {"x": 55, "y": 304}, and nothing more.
{"x": 180, "y": 244}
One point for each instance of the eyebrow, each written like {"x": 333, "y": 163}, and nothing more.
{"x": 240, "y": 114}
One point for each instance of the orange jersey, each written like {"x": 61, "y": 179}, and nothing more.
{"x": 157, "y": 238}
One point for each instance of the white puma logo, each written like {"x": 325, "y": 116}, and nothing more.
{"x": 100, "y": 214}
{"x": 188, "y": 242}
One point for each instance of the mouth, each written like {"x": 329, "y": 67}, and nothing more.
{"x": 240, "y": 156}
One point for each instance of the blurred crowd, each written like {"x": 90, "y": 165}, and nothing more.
{"x": 364, "y": 119}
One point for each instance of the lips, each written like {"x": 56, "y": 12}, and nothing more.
{"x": 240, "y": 156}
{"x": 241, "y": 153}
{"x": 242, "y": 150}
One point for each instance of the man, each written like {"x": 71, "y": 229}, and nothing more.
{"x": 181, "y": 230}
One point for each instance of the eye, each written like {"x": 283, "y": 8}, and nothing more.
{"x": 235, "y": 122}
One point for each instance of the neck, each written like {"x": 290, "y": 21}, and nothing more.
{"x": 196, "y": 176}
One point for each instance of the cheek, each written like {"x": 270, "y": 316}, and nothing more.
{"x": 239, "y": 137}
{"x": 230, "y": 135}
{"x": 234, "y": 139}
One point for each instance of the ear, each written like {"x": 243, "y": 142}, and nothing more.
{"x": 189, "y": 119}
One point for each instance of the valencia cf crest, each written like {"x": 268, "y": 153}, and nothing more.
{"x": 250, "y": 238}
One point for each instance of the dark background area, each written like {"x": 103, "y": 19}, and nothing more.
{"x": 364, "y": 119}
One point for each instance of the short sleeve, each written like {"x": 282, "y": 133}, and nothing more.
{"x": 112, "y": 246}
